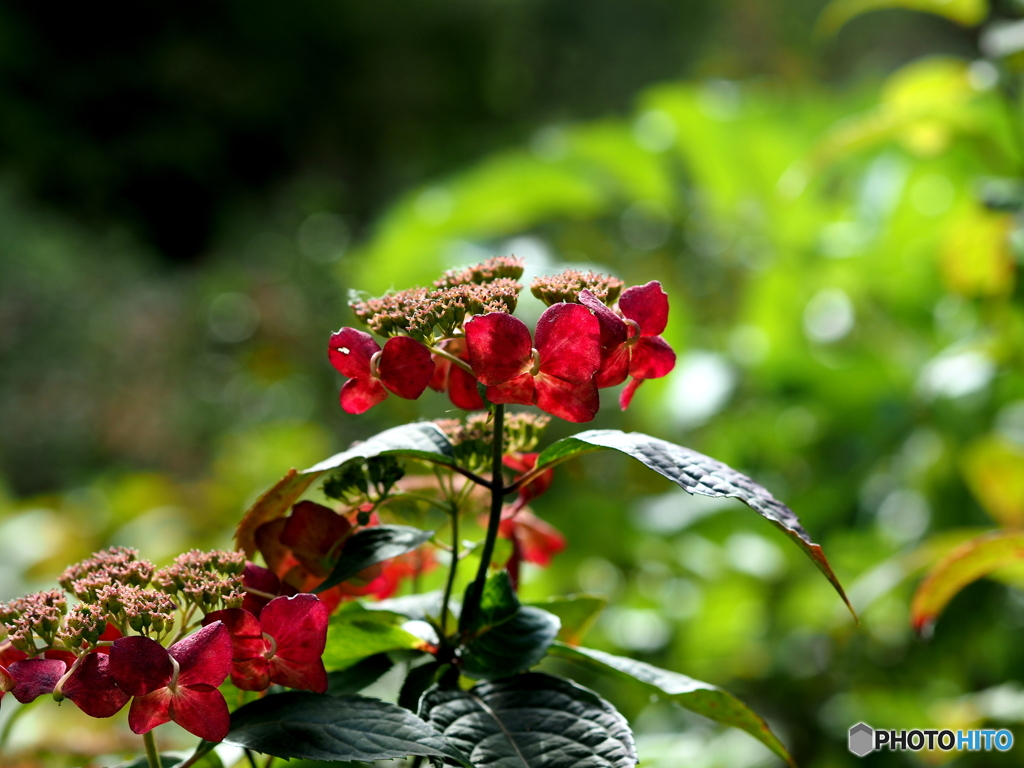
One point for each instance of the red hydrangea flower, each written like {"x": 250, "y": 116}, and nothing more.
{"x": 461, "y": 386}
{"x": 282, "y": 646}
{"x": 404, "y": 367}
{"x": 557, "y": 375}
{"x": 177, "y": 683}
{"x": 632, "y": 345}
{"x": 90, "y": 686}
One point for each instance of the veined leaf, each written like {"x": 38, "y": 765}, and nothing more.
{"x": 967, "y": 13}
{"x": 315, "y": 726}
{"x": 370, "y": 546}
{"x": 506, "y": 637}
{"x": 576, "y": 612}
{"x": 421, "y": 440}
{"x": 531, "y": 721}
{"x": 356, "y": 633}
{"x": 965, "y": 564}
{"x": 697, "y": 474}
{"x": 702, "y": 698}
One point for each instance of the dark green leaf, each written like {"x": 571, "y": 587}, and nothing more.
{"x": 358, "y": 676}
{"x": 356, "y": 633}
{"x": 702, "y": 698}
{"x": 316, "y": 726}
{"x": 697, "y": 474}
{"x": 505, "y": 637}
{"x": 421, "y": 440}
{"x": 166, "y": 761}
{"x": 370, "y": 546}
{"x": 576, "y": 612}
{"x": 531, "y": 721}
{"x": 417, "y": 681}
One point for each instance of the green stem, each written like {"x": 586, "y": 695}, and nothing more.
{"x": 151, "y": 754}
{"x": 454, "y": 360}
{"x": 451, "y": 571}
{"x": 497, "y": 487}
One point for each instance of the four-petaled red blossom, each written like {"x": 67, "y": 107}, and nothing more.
{"x": 557, "y": 375}
{"x": 404, "y": 367}
{"x": 282, "y": 646}
{"x": 461, "y": 386}
{"x": 631, "y": 345}
{"x": 177, "y": 683}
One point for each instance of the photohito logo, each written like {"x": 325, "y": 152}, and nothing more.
{"x": 864, "y": 739}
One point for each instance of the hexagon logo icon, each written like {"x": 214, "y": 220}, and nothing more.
{"x": 862, "y": 739}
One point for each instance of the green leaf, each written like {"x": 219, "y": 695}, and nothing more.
{"x": 697, "y": 474}
{"x": 420, "y": 440}
{"x": 356, "y": 633}
{"x": 965, "y": 564}
{"x": 531, "y": 721}
{"x": 702, "y": 698}
{"x": 316, "y": 726}
{"x": 418, "y": 607}
{"x": 576, "y": 612}
{"x": 360, "y": 675}
{"x": 370, "y": 546}
{"x": 967, "y": 13}
{"x": 506, "y": 637}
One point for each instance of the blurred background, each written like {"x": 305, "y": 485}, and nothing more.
{"x": 829, "y": 192}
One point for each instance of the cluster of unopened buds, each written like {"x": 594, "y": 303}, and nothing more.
{"x": 164, "y": 639}
{"x": 461, "y": 337}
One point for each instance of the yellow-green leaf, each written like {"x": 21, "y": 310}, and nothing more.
{"x": 967, "y": 563}
{"x": 968, "y": 13}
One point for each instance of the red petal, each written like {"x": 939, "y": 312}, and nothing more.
{"x": 35, "y": 677}
{"x": 572, "y": 402}
{"x": 360, "y": 395}
{"x": 66, "y": 656}
{"x": 279, "y": 557}
{"x": 260, "y": 579}
{"x": 569, "y": 342}
{"x": 9, "y": 654}
{"x": 651, "y": 358}
{"x": 332, "y": 597}
{"x": 614, "y": 368}
{"x": 439, "y": 381}
{"x": 350, "y": 351}
{"x": 538, "y": 540}
{"x": 613, "y": 329}
{"x": 312, "y": 531}
{"x": 92, "y": 687}
{"x": 140, "y": 665}
{"x": 205, "y": 656}
{"x": 626, "y": 396}
{"x": 521, "y": 390}
{"x": 304, "y": 675}
{"x": 462, "y": 390}
{"x": 405, "y": 367}
{"x": 499, "y": 347}
{"x": 298, "y": 625}
{"x": 202, "y": 711}
{"x": 149, "y": 711}
{"x": 520, "y": 462}
{"x": 647, "y": 305}
{"x": 249, "y": 668}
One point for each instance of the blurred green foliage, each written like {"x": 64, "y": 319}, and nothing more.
{"x": 843, "y": 267}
